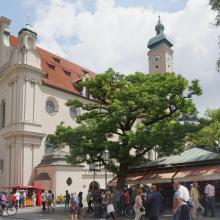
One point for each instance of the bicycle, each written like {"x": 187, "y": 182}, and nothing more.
{"x": 10, "y": 209}
{"x": 130, "y": 213}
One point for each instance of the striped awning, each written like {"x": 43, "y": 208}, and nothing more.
{"x": 199, "y": 173}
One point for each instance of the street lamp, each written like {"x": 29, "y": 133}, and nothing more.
{"x": 106, "y": 157}
{"x": 216, "y": 144}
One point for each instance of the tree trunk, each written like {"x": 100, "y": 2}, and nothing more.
{"x": 122, "y": 174}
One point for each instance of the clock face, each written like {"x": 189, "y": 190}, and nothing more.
{"x": 156, "y": 59}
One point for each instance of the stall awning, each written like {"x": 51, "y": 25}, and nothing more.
{"x": 200, "y": 173}
{"x": 132, "y": 178}
{"x": 159, "y": 176}
{"x": 147, "y": 177}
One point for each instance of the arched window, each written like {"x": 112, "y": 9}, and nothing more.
{"x": 48, "y": 148}
{"x": 52, "y": 106}
{"x": 2, "y": 114}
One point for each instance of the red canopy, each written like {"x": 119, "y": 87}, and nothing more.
{"x": 22, "y": 187}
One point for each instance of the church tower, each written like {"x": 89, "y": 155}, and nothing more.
{"x": 160, "y": 56}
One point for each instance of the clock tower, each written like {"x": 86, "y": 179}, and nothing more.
{"x": 160, "y": 56}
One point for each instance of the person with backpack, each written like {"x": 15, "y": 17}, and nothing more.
{"x": 49, "y": 200}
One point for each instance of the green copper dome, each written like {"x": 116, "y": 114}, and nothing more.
{"x": 159, "y": 38}
{"x": 29, "y": 28}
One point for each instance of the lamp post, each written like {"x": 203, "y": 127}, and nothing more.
{"x": 106, "y": 157}
{"x": 216, "y": 144}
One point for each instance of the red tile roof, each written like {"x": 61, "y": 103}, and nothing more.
{"x": 57, "y": 77}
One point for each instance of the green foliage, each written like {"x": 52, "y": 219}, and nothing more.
{"x": 130, "y": 115}
{"x": 209, "y": 131}
{"x": 215, "y": 5}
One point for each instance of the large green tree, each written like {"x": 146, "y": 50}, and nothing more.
{"x": 209, "y": 132}
{"x": 130, "y": 115}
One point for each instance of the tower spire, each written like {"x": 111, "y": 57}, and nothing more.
{"x": 158, "y": 19}
{"x": 28, "y": 20}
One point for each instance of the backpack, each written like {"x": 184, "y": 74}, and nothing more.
{"x": 49, "y": 198}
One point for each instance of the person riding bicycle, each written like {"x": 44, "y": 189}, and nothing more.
{"x": 3, "y": 200}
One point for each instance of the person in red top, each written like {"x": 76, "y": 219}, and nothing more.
{"x": 12, "y": 198}
{"x": 127, "y": 198}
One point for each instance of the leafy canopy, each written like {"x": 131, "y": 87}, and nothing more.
{"x": 209, "y": 132}
{"x": 130, "y": 115}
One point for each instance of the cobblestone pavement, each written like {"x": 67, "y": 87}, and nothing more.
{"x": 59, "y": 214}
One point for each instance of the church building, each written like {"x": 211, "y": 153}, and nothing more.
{"x": 34, "y": 86}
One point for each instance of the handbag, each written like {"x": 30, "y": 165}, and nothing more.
{"x": 190, "y": 205}
{"x": 142, "y": 209}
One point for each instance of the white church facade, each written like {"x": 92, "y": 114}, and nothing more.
{"x": 34, "y": 86}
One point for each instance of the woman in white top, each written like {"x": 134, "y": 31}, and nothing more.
{"x": 138, "y": 204}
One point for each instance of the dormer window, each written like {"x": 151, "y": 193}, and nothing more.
{"x": 85, "y": 71}
{"x": 51, "y": 66}
{"x": 67, "y": 72}
{"x": 57, "y": 60}
{"x": 46, "y": 76}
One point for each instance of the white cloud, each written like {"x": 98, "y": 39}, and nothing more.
{"x": 116, "y": 36}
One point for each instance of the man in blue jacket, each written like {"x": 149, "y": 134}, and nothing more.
{"x": 154, "y": 204}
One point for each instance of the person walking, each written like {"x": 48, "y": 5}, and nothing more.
{"x": 110, "y": 207}
{"x": 175, "y": 211}
{"x": 80, "y": 203}
{"x": 209, "y": 199}
{"x": 138, "y": 206}
{"x": 49, "y": 200}
{"x": 183, "y": 198}
{"x": 73, "y": 207}
{"x": 17, "y": 195}
{"x": 154, "y": 203}
{"x": 34, "y": 199}
{"x": 194, "y": 197}
{"x": 116, "y": 200}
{"x": 89, "y": 199}
{"x": 67, "y": 200}
{"x": 44, "y": 200}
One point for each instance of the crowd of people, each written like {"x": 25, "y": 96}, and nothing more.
{"x": 187, "y": 203}
{"x": 18, "y": 199}
{"x": 148, "y": 201}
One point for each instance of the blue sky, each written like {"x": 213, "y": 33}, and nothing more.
{"x": 99, "y": 34}
{"x": 18, "y": 10}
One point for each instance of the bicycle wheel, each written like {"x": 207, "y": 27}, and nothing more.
{"x": 129, "y": 212}
{"x": 11, "y": 210}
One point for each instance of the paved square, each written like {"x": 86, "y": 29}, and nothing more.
{"x": 59, "y": 214}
